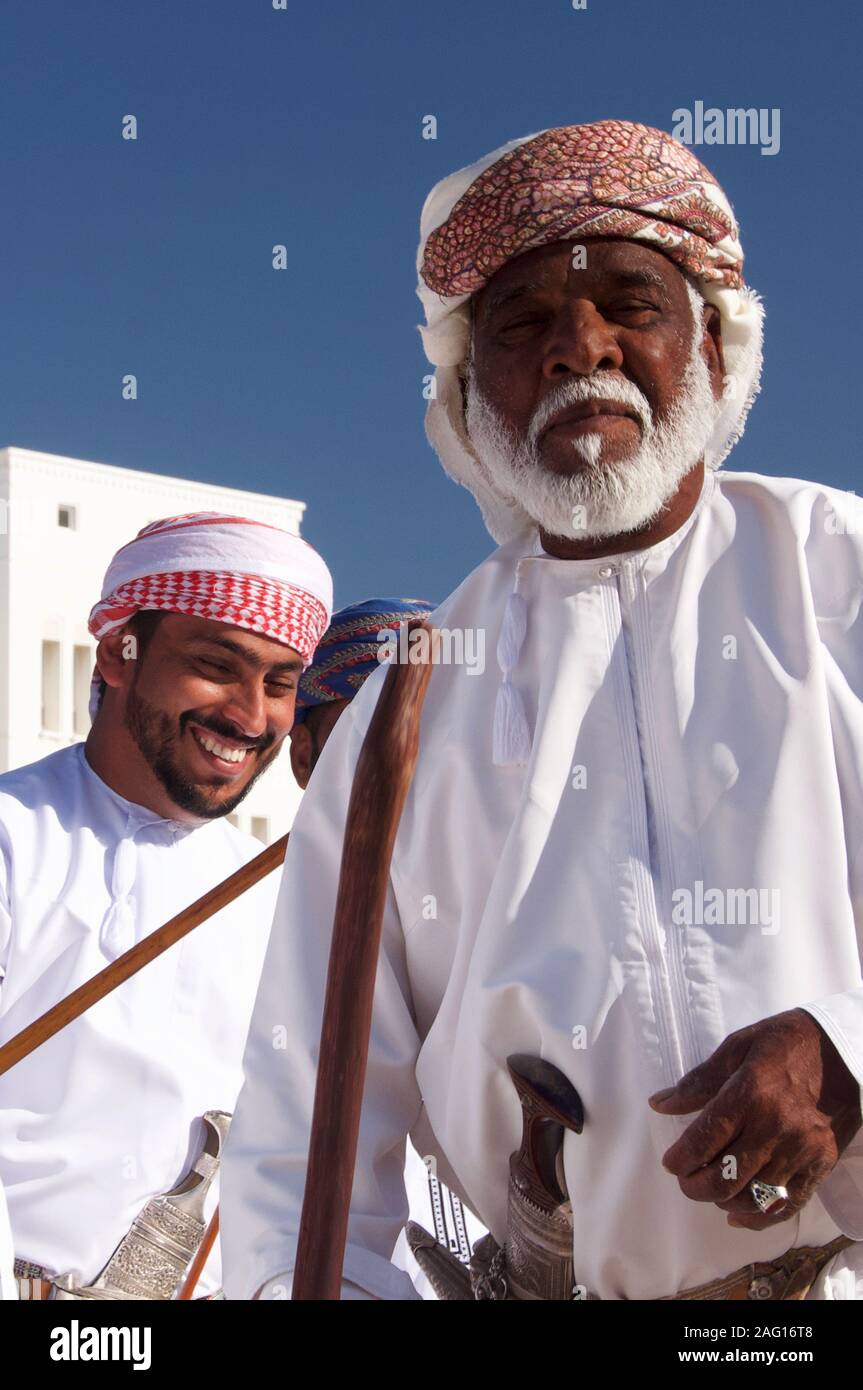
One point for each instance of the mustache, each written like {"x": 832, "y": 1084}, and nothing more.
{"x": 600, "y": 386}
{"x": 223, "y": 728}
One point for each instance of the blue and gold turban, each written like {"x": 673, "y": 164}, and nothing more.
{"x": 347, "y": 654}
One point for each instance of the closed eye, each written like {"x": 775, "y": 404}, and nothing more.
{"x": 535, "y": 321}
{"x": 634, "y": 307}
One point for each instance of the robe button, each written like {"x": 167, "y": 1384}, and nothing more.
{"x": 606, "y": 571}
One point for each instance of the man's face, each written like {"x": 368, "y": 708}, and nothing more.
{"x": 208, "y": 706}
{"x": 579, "y": 373}
{"x": 310, "y": 735}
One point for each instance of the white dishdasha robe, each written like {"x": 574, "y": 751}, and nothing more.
{"x": 695, "y": 717}
{"x": 106, "y": 1114}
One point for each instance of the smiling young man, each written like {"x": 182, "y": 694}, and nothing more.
{"x": 200, "y": 719}
{"x": 205, "y": 625}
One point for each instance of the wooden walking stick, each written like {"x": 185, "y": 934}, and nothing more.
{"x": 381, "y": 781}
{"x": 139, "y": 955}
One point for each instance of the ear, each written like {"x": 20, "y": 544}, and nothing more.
{"x": 301, "y": 754}
{"x": 711, "y": 346}
{"x": 115, "y": 657}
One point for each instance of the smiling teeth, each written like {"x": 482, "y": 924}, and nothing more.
{"x": 229, "y": 755}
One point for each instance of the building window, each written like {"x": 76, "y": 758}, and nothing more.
{"x": 261, "y": 828}
{"x": 66, "y": 517}
{"x": 51, "y": 687}
{"x": 82, "y": 672}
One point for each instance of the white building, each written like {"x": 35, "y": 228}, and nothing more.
{"x": 61, "y": 520}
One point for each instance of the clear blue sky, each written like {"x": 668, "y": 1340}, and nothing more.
{"x": 303, "y": 126}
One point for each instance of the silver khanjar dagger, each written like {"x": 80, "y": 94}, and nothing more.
{"x": 151, "y": 1259}
{"x": 535, "y": 1262}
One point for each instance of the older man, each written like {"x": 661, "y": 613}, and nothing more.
{"x": 640, "y": 837}
{"x": 204, "y": 626}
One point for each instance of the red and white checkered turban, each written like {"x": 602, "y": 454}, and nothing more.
{"x": 226, "y": 568}
{"x": 609, "y": 179}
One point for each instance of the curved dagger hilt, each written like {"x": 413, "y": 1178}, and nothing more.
{"x": 535, "y": 1261}
{"x": 550, "y": 1105}
{"x": 538, "y": 1251}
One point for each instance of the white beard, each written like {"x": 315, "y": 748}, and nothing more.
{"x": 600, "y": 499}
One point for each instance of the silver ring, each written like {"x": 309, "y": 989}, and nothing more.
{"x": 766, "y": 1196}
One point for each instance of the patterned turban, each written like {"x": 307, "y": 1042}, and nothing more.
{"x": 610, "y": 179}
{"x": 226, "y": 568}
{"x": 350, "y": 650}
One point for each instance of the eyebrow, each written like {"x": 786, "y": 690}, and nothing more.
{"x": 497, "y": 300}
{"x": 624, "y": 279}
{"x": 237, "y": 649}
{"x": 636, "y": 279}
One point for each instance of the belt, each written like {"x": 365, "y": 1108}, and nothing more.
{"x": 791, "y": 1276}
{"x": 33, "y": 1281}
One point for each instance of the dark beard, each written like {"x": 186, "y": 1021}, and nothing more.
{"x": 155, "y": 733}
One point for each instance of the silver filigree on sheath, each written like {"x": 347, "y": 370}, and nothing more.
{"x": 152, "y": 1258}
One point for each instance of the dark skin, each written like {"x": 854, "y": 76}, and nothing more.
{"x": 778, "y": 1097}
{"x": 309, "y": 736}
{"x": 540, "y": 320}
{"x": 205, "y": 679}
{"x": 775, "y": 1096}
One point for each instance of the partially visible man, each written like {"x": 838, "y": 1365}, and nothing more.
{"x": 643, "y": 832}
{"x": 204, "y": 627}
{"x": 352, "y": 648}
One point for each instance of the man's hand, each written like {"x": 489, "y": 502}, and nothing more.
{"x": 777, "y": 1103}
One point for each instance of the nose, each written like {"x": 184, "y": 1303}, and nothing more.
{"x": 580, "y": 342}
{"x": 246, "y": 707}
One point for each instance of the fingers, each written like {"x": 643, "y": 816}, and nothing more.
{"x": 760, "y": 1117}
{"x": 735, "y": 1139}
{"x": 709, "y": 1137}
{"x": 702, "y": 1083}
{"x": 728, "y": 1174}
{"x": 743, "y": 1210}
{"x": 800, "y": 1176}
